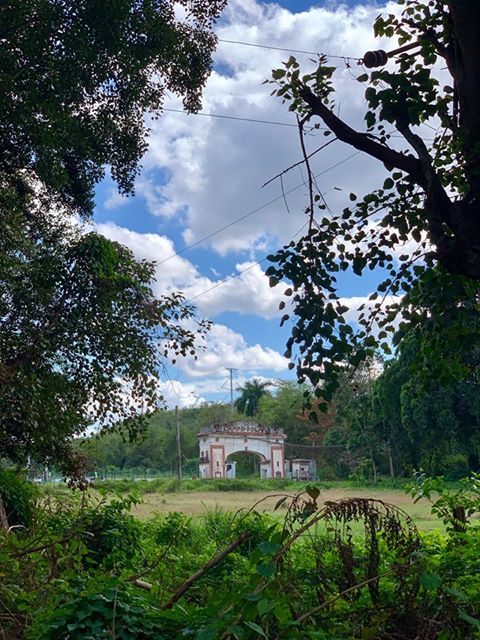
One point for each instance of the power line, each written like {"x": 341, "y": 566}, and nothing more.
{"x": 236, "y": 275}
{"x": 271, "y": 122}
{"x": 250, "y": 213}
{"x": 222, "y": 282}
{"x": 227, "y": 117}
{"x": 266, "y": 46}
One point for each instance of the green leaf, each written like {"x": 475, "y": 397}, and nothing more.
{"x": 252, "y": 597}
{"x": 280, "y": 502}
{"x": 312, "y": 491}
{"x": 430, "y": 581}
{"x": 264, "y": 606}
{"x": 266, "y": 570}
{"x": 255, "y": 627}
{"x": 268, "y": 547}
{"x": 465, "y": 616}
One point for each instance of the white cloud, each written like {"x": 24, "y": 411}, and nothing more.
{"x": 206, "y": 173}
{"x": 114, "y": 199}
{"x": 182, "y": 394}
{"x": 172, "y": 273}
{"x": 247, "y": 292}
{"x": 226, "y": 348}
{"x": 356, "y": 304}
{"x": 212, "y": 169}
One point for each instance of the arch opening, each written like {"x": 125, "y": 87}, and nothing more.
{"x": 247, "y": 463}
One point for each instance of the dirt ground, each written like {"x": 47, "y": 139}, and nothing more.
{"x": 198, "y": 503}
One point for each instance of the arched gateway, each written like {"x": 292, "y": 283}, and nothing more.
{"x": 218, "y": 441}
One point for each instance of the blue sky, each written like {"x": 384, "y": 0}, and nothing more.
{"x": 204, "y": 172}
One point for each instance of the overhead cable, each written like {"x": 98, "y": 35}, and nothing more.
{"x": 226, "y": 117}
{"x": 250, "y": 213}
{"x": 288, "y": 50}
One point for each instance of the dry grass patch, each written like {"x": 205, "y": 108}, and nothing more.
{"x": 200, "y": 502}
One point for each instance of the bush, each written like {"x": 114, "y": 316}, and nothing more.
{"x": 19, "y": 497}
{"x": 100, "y": 610}
{"x": 171, "y": 530}
{"x": 453, "y": 466}
{"x": 111, "y": 535}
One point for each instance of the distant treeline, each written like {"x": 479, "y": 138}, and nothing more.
{"x": 380, "y": 423}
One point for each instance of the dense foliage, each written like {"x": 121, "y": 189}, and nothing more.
{"x": 385, "y": 421}
{"x": 79, "y": 335}
{"x": 357, "y": 568}
{"x": 78, "y": 78}
{"x": 82, "y": 337}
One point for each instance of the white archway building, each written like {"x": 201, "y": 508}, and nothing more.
{"x": 218, "y": 441}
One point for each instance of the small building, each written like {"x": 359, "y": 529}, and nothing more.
{"x": 303, "y": 469}
{"x": 219, "y": 441}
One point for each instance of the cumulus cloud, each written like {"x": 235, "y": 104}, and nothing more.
{"x": 248, "y": 293}
{"x": 181, "y": 394}
{"x": 227, "y": 348}
{"x": 245, "y": 291}
{"x": 206, "y": 173}
{"x": 172, "y": 273}
{"x": 114, "y": 199}
{"x": 211, "y": 169}
{"x": 356, "y": 304}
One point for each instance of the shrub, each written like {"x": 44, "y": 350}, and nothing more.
{"x": 453, "y": 466}
{"x": 110, "y": 534}
{"x": 19, "y": 497}
{"x": 171, "y": 530}
{"x": 100, "y": 610}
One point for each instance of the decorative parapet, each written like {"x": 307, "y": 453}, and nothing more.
{"x": 241, "y": 427}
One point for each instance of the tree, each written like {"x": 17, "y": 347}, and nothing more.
{"x": 78, "y": 77}
{"x": 158, "y": 449}
{"x": 250, "y": 395}
{"x": 357, "y": 425}
{"x": 81, "y": 335}
{"x": 431, "y": 197}
{"x": 284, "y": 410}
{"x": 434, "y": 424}
{"x": 83, "y": 340}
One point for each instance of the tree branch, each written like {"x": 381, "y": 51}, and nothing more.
{"x": 300, "y": 123}
{"x": 198, "y": 574}
{"x": 301, "y": 619}
{"x": 361, "y": 141}
{"x": 438, "y": 204}
{"x": 3, "y": 516}
{"x": 296, "y": 164}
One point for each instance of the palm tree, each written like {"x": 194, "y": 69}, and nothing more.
{"x": 251, "y": 392}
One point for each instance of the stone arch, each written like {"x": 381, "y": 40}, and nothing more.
{"x": 254, "y": 453}
{"x": 218, "y": 441}
{"x": 244, "y": 458}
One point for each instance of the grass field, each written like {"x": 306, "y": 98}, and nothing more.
{"x": 199, "y": 502}
{"x": 198, "y": 497}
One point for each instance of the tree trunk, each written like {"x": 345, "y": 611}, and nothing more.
{"x": 390, "y": 462}
{"x": 3, "y": 516}
{"x": 374, "y": 467}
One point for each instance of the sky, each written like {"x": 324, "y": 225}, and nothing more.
{"x": 199, "y": 208}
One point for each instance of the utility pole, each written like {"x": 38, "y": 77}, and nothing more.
{"x": 179, "y": 448}
{"x": 231, "y": 370}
